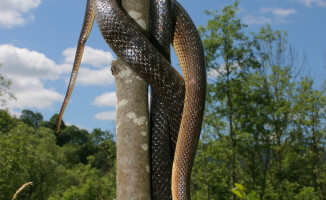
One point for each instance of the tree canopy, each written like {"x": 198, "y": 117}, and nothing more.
{"x": 264, "y": 125}
{"x": 73, "y": 165}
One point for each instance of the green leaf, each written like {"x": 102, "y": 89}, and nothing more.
{"x": 253, "y": 195}
{"x": 236, "y": 192}
{"x": 239, "y": 186}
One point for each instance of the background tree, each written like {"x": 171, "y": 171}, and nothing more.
{"x": 5, "y": 93}
{"x": 31, "y": 118}
{"x": 229, "y": 58}
{"x": 310, "y": 131}
{"x": 264, "y": 123}
{"x": 30, "y": 154}
{"x": 280, "y": 67}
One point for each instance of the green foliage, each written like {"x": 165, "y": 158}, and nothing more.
{"x": 238, "y": 190}
{"x": 307, "y": 193}
{"x": 104, "y": 157}
{"x": 84, "y": 182}
{"x": 6, "y": 121}
{"x": 52, "y": 123}
{"x": 81, "y": 168}
{"x": 229, "y": 59}
{"x": 264, "y": 124}
{"x": 30, "y": 118}
{"x": 28, "y": 155}
{"x": 5, "y": 93}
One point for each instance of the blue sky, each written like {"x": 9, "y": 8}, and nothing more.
{"x": 38, "y": 40}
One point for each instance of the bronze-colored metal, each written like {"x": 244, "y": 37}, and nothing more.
{"x": 137, "y": 51}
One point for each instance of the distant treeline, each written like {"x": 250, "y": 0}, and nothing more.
{"x": 74, "y": 164}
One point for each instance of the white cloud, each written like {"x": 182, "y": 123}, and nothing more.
{"x": 24, "y": 62}
{"x": 87, "y": 76}
{"x": 309, "y": 3}
{"x": 214, "y": 73}
{"x": 94, "y": 57}
{"x": 16, "y": 114}
{"x": 21, "y": 84}
{"x": 279, "y": 12}
{"x": 109, "y": 115}
{"x": 41, "y": 99}
{"x": 16, "y": 12}
{"x": 256, "y": 20}
{"x": 279, "y": 15}
{"x": 107, "y": 99}
{"x": 27, "y": 69}
{"x": 30, "y": 70}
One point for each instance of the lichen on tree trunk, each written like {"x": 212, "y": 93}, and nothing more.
{"x": 132, "y": 128}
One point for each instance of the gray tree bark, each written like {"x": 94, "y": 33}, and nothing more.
{"x": 132, "y": 128}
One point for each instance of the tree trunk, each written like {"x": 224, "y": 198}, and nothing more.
{"x": 230, "y": 121}
{"x": 133, "y": 162}
{"x": 318, "y": 185}
{"x": 266, "y": 166}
